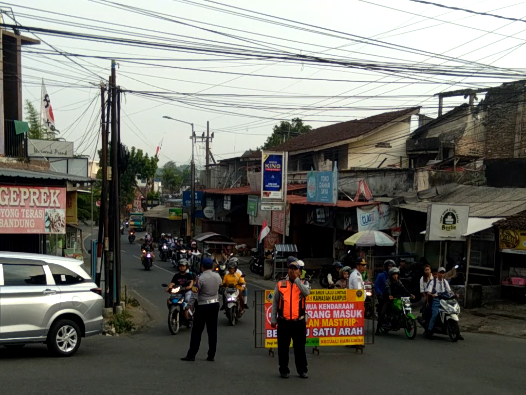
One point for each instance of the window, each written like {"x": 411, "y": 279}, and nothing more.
{"x": 21, "y": 275}
{"x": 64, "y": 276}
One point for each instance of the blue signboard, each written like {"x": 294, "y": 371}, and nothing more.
{"x": 322, "y": 186}
{"x": 187, "y": 198}
{"x": 272, "y": 178}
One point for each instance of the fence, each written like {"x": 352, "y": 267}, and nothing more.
{"x": 351, "y": 334}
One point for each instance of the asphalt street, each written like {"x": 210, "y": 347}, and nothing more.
{"x": 147, "y": 362}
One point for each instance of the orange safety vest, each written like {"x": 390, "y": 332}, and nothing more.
{"x": 291, "y": 301}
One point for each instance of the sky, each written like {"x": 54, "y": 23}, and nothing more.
{"x": 324, "y": 62}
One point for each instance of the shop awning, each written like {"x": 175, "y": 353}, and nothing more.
{"x": 476, "y": 224}
{"x": 294, "y": 199}
{"x": 21, "y": 127}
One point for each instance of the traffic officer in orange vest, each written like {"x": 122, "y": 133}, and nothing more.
{"x": 288, "y": 315}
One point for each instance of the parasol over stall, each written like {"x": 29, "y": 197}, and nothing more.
{"x": 370, "y": 238}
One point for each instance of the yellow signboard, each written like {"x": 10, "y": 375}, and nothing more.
{"x": 510, "y": 239}
{"x": 71, "y": 208}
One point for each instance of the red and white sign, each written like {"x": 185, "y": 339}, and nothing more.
{"x": 32, "y": 210}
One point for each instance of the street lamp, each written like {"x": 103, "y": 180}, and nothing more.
{"x": 192, "y": 172}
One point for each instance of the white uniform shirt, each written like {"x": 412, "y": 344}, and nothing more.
{"x": 356, "y": 280}
{"x": 423, "y": 284}
{"x": 441, "y": 286}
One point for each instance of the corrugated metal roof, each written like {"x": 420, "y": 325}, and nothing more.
{"x": 285, "y": 248}
{"x": 295, "y": 199}
{"x": 483, "y": 202}
{"x": 47, "y": 175}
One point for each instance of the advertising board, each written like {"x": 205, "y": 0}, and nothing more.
{"x": 273, "y": 176}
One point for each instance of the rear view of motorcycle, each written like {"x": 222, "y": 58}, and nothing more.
{"x": 147, "y": 261}
{"x": 233, "y": 304}
{"x": 401, "y": 317}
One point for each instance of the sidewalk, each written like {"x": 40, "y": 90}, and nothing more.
{"x": 499, "y": 318}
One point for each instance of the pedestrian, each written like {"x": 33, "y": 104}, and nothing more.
{"x": 426, "y": 307}
{"x": 206, "y": 311}
{"x": 288, "y": 315}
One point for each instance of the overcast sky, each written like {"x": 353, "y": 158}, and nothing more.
{"x": 168, "y": 87}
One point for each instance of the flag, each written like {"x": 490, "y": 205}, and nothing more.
{"x": 46, "y": 110}
{"x": 158, "y": 150}
{"x": 265, "y": 230}
{"x": 363, "y": 189}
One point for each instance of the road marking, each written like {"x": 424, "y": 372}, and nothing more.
{"x": 123, "y": 251}
{"x": 142, "y": 297}
{"x": 163, "y": 269}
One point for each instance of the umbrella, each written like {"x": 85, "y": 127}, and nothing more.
{"x": 370, "y": 238}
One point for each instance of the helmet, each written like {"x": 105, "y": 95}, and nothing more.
{"x": 301, "y": 263}
{"x": 233, "y": 261}
{"x": 337, "y": 264}
{"x": 183, "y": 262}
{"x": 162, "y": 234}
{"x": 169, "y": 234}
{"x": 232, "y": 264}
{"x": 194, "y": 243}
{"x": 393, "y": 271}
{"x": 388, "y": 263}
{"x": 180, "y": 239}
{"x": 345, "y": 269}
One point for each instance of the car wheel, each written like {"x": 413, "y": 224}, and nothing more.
{"x": 64, "y": 338}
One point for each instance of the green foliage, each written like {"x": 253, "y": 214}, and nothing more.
{"x": 153, "y": 195}
{"x": 173, "y": 177}
{"x": 284, "y": 131}
{"x": 84, "y": 206}
{"x": 36, "y": 130}
{"x": 130, "y": 301}
{"x": 122, "y": 322}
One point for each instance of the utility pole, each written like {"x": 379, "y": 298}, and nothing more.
{"x": 207, "y": 166}
{"x": 117, "y": 200}
{"x": 192, "y": 188}
{"x": 101, "y": 241}
{"x": 111, "y": 211}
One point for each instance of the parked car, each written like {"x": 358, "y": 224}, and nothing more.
{"x": 47, "y": 299}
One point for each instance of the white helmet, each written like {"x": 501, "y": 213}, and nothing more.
{"x": 301, "y": 264}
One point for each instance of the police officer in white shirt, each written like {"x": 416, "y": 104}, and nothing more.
{"x": 434, "y": 288}
{"x": 356, "y": 278}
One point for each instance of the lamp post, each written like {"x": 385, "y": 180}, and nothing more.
{"x": 192, "y": 175}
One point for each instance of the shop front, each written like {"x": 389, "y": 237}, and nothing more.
{"x": 512, "y": 244}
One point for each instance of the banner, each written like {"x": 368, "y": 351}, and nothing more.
{"x": 322, "y": 186}
{"x": 32, "y": 210}
{"x": 375, "y": 217}
{"x": 273, "y": 177}
{"x": 175, "y": 214}
{"x": 446, "y": 222}
{"x": 48, "y": 118}
{"x": 252, "y": 205}
{"x": 512, "y": 241}
{"x": 49, "y": 148}
{"x": 321, "y": 216}
{"x": 187, "y": 198}
{"x": 335, "y": 318}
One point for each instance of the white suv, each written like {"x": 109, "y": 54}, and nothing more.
{"x": 47, "y": 299}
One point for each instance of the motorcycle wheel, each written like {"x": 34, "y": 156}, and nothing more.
{"x": 173, "y": 320}
{"x": 253, "y": 268}
{"x": 231, "y": 314}
{"x": 410, "y": 328}
{"x": 324, "y": 281}
{"x": 453, "y": 330}
{"x": 163, "y": 258}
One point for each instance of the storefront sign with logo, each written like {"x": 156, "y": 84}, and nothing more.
{"x": 32, "y": 210}
{"x": 175, "y": 214}
{"x": 446, "y": 222}
{"x": 273, "y": 175}
{"x": 377, "y": 217}
{"x": 336, "y": 318}
{"x": 252, "y": 205}
{"x": 187, "y": 198}
{"x": 322, "y": 186}
{"x": 512, "y": 241}
{"x": 49, "y": 148}
{"x": 209, "y": 212}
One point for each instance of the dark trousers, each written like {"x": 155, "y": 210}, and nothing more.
{"x": 205, "y": 314}
{"x": 297, "y": 331}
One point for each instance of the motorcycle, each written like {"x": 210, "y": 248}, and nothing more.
{"x": 330, "y": 271}
{"x": 233, "y": 304}
{"x": 221, "y": 269}
{"x": 447, "y": 320}
{"x": 195, "y": 262}
{"x": 163, "y": 253}
{"x": 256, "y": 263}
{"x": 127, "y": 224}
{"x": 147, "y": 261}
{"x": 401, "y": 317}
{"x": 176, "y": 310}
{"x": 131, "y": 237}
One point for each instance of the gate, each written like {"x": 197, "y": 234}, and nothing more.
{"x": 349, "y": 334}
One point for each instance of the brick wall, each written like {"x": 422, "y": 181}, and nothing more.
{"x": 505, "y": 121}
{"x": 11, "y": 163}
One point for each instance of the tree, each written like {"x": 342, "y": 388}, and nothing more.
{"x": 36, "y": 130}
{"x": 174, "y": 177}
{"x": 284, "y": 131}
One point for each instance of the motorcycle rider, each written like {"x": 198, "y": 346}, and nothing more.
{"x": 235, "y": 279}
{"x": 344, "y": 278}
{"x": 240, "y": 273}
{"x": 434, "y": 288}
{"x": 193, "y": 247}
{"x": 393, "y": 289}
{"x": 183, "y": 279}
{"x": 379, "y": 284}
{"x": 147, "y": 247}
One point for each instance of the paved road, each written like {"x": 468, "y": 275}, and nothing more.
{"x": 148, "y": 362}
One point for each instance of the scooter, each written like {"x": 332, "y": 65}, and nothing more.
{"x": 163, "y": 254}
{"x": 401, "y": 317}
{"x": 331, "y": 271}
{"x": 447, "y": 320}
{"x": 176, "y": 310}
{"x": 233, "y": 304}
{"x": 147, "y": 261}
{"x": 131, "y": 236}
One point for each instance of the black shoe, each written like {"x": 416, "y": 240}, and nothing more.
{"x": 222, "y": 308}
{"x": 187, "y": 358}
{"x": 304, "y": 375}
{"x": 210, "y": 359}
{"x": 284, "y": 375}
{"x": 245, "y": 306}
{"x": 460, "y": 337}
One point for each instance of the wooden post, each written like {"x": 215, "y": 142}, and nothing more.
{"x": 468, "y": 258}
